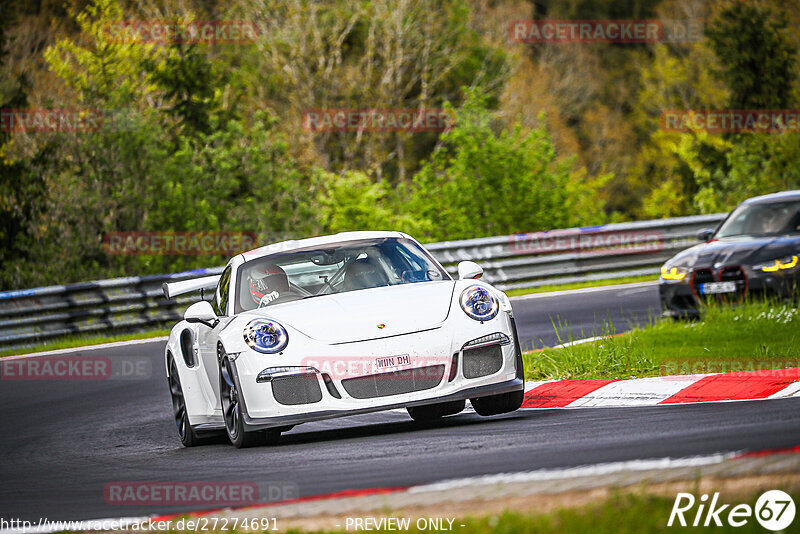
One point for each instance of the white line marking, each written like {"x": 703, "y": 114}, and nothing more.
{"x": 574, "y": 472}
{"x": 87, "y": 347}
{"x": 792, "y": 390}
{"x": 639, "y": 392}
{"x": 580, "y": 341}
{"x": 584, "y": 290}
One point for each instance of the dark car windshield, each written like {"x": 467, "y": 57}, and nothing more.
{"x": 334, "y": 268}
{"x": 759, "y": 220}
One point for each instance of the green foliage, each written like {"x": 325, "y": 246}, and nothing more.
{"x": 187, "y": 164}
{"x": 353, "y": 201}
{"x": 105, "y": 70}
{"x": 480, "y": 181}
{"x": 758, "y": 60}
{"x": 210, "y": 137}
{"x": 755, "y": 60}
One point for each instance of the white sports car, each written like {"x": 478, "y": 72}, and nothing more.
{"x": 338, "y": 325}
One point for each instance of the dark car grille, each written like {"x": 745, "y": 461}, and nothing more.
{"x": 734, "y": 274}
{"x": 726, "y": 274}
{"x": 482, "y": 361}
{"x": 297, "y": 389}
{"x": 394, "y": 383}
{"x": 701, "y": 276}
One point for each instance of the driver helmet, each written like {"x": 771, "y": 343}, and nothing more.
{"x": 267, "y": 282}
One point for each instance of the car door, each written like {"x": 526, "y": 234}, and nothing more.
{"x": 208, "y": 337}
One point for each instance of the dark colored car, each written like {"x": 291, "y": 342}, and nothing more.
{"x": 753, "y": 253}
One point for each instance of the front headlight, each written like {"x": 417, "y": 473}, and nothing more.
{"x": 479, "y": 303}
{"x": 674, "y": 273}
{"x": 266, "y": 336}
{"x": 789, "y": 262}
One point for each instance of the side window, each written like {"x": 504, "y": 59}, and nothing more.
{"x": 220, "y": 302}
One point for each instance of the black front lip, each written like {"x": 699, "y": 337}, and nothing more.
{"x": 253, "y": 423}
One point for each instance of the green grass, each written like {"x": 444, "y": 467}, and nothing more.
{"x": 581, "y": 285}
{"x": 749, "y": 337}
{"x": 621, "y": 513}
{"x": 83, "y": 340}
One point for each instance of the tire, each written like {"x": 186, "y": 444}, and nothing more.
{"x": 431, "y": 412}
{"x": 186, "y": 433}
{"x": 232, "y": 410}
{"x": 497, "y": 404}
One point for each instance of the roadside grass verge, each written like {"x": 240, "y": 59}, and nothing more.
{"x": 580, "y": 285}
{"x": 753, "y": 336}
{"x": 622, "y": 513}
{"x": 84, "y": 340}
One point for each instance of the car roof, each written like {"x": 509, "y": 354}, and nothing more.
{"x": 774, "y": 197}
{"x": 296, "y": 244}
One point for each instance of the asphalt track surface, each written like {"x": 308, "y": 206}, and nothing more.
{"x": 62, "y": 442}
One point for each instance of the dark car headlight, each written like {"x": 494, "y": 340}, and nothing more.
{"x": 479, "y": 303}
{"x": 783, "y": 264}
{"x": 265, "y": 336}
{"x": 674, "y": 273}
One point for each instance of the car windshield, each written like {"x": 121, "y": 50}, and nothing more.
{"x": 334, "y": 268}
{"x": 759, "y": 220}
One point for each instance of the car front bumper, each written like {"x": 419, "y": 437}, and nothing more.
{"x": 328, "y": 397}
{"x": 684, "y": 298}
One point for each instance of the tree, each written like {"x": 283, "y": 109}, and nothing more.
{"x": 483, "y": 180}
{"x": 758, "y": 61}
{"x": 759, "y": 64}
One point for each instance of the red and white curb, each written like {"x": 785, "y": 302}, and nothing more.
{"x": 663, "y": 390}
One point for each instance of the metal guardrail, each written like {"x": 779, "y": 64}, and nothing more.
{"x": 517, "y": 261}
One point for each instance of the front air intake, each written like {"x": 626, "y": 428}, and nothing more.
{"x": 296, "y": 389}
{"x": 482, "y": 361}
{"x": 394, "y": 383}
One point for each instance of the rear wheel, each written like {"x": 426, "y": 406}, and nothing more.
{"x": 497, "y": 404}
{"x": 232, "y": 410}
{"x": 432, "y": 412}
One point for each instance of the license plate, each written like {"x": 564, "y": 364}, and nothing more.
{"x": 718, "y": 287}
{"x": 392, "y": 361}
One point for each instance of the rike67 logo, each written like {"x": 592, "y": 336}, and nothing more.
{"x": 774, "y": 510}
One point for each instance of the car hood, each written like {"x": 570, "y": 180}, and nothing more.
{"x": 740, "y": 250}
{"x": 355, "y": 315}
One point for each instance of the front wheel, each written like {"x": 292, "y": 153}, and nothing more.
{"x": 232, "y": 409}
{"x": 187, "y": 434}
{"x": 497, "y": 404}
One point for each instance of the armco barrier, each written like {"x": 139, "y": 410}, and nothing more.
{"x": 602, "y": 252}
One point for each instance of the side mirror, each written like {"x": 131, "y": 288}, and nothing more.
{"x": 469, "y": 270}
{"x": 705, "y": 235}
{"x": 201, "y": 312}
